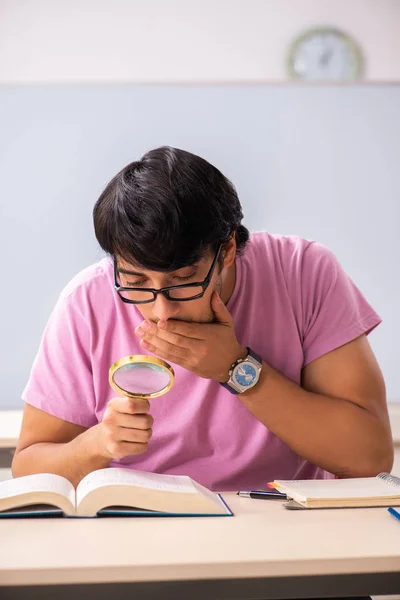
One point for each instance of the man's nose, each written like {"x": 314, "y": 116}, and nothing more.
{"x": 164, "y": 309}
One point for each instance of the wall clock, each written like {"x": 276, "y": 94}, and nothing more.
{"x": 325, "y": 54}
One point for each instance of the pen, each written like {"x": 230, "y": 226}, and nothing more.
{"x": 395, "y": 513}
{"x": 261, "y": 494}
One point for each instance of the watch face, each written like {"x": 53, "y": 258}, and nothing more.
{"x": 245, "y": 374}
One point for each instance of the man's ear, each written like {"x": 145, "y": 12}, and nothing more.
{"x": 229, "y": 254}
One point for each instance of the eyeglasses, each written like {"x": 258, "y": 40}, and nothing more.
{"x": 176, "y": 293}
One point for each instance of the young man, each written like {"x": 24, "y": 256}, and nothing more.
{"x": 308, "y": 398}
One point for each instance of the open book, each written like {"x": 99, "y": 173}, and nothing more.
{"x": 382, "y": 490}
{"x": 111, "y": 491}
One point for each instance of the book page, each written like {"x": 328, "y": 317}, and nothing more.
{"x": 40, "y": 482}
{"x": 362, "y": 487}
{"x": 117, "y": 476}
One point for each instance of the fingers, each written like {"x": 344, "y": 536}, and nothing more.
{"x": 129, "y": 406}
{"x": 123, "y": 420}
{"x": 126, "y": 427}
{"x": 137, "y": 436}
{"x": 117, "y": 450}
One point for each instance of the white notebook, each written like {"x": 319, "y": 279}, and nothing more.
{"x": 382, "y": 490}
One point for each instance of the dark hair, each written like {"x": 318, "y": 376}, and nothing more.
{"x": 167, "y": 210}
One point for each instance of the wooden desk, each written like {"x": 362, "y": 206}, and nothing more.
{"x": 264, "y": 552}
{"x": 10, "y": 426}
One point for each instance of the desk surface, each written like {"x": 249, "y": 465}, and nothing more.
{"x": 262, "y": 540}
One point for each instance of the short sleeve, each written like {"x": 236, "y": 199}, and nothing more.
{"x": 334, "y": 310}
{"x": 61, "y": 381}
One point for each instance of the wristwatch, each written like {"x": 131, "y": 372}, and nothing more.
{"x": 244, "y": 373}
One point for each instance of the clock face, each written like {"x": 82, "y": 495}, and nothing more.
{"x": 325, "y": 54}
{"x": 245, "y": 374}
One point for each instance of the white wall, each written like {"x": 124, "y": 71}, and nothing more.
{"x": 320, "y": 162}
{"x": 182, "y": 40}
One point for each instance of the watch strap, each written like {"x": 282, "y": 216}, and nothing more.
{"x": 254, "y": 355}
{"x": 230, "y": 388}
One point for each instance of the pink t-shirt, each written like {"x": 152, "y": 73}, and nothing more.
{"x": 292, "y": 303}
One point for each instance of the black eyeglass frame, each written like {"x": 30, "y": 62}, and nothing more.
{"x": 165, "y": 291}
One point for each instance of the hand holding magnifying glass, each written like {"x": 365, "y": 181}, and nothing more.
{"x": 126, "y": 427}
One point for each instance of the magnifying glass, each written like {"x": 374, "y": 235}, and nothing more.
{"x": 141, "y": 376}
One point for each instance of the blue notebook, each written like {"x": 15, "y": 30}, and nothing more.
{"x": 112, "y": 492}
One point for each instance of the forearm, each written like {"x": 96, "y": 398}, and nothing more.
{"x": 72, "y": 460}
{"x": 333, "y": 433}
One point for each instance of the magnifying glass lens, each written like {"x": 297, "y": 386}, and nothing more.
{"x": 141, "y": 376}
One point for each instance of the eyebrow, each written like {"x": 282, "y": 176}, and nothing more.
{"x": 137, "y": 274}
{"x": 126, "y": 272}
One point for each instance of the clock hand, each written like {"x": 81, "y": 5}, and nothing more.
{"x": 325, "y": 56}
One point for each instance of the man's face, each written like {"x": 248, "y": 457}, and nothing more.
{"x": 162, "y": 309}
